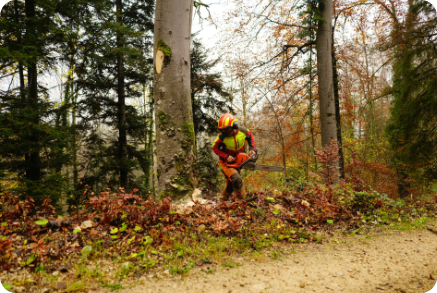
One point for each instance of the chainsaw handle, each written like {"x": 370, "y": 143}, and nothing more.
{"x": 256, "y": 152}
{"x": 255, "y": 155}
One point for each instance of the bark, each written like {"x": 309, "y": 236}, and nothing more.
{"x": 122, "y": 137}
{"x": 313, "y": 142}
{"x": 324, "y": 71}
{"x": 175, "y": 138}
{"x": 20, "y": 63}
{"x": 75, "y": 141}
{"x": 22, "y": 85}
{"x": 337, "y": 113}
{"x": 33, "y": 172}
{"x": 68, "y": 88}
{"x": 149, "y": 148}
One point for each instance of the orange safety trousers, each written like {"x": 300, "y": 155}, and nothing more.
{"x": 234, "y": 182}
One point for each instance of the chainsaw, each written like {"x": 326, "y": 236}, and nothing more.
{"x": 243, "y": 160}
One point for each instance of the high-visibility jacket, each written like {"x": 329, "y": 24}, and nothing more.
{"x": 225, "y": 146}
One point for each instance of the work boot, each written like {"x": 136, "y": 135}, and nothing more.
{"x": 225, "y": 195}
{"x": 240, "y": 194}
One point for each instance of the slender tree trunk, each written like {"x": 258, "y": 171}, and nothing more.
{"x": 150, "y": 154}
{"x": 146, "y": 141}
{"x": 282, "y": 140}
{"x": 65, "y": 110}
{"x": 33, "y": 172}
{"x": 22, "y": 85}
{"x": 175, "y": 138}
{"x": 244, "y": 101}
{"x": 369, "y": 95}
{"x": 72, "y": 98}
{"x": 68, "y": 91}
{"x": 324, "y": 71}
{"x": 195, "y": 122}
{"x": 148, "y": 181}
{"x": 360, "y": 114}
{"x": 313, "y": 141}
{"x": 122, "y": 137}
{"x": 337, "y": 113}
{"x": 20, "y": 63}
{"x": 75, "y": 148}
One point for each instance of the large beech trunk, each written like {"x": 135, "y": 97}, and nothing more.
{"x": 325, "y": 75}
{"x": 175, "y": 139}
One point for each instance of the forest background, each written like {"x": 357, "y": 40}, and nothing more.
{"x": 77, "y": 105}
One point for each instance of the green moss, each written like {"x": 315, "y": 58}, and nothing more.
{"x": 195, "y": 150}
{"x": 161, "y": 45}
{"x": 180, "y": 185}
{"x": 179, "y": 164}
{"x": 164, "y": 120}
{"x": 188, "y": 130}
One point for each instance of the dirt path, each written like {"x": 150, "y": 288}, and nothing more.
{"x": 400, "y": 262}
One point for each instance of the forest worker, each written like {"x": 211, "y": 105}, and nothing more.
{"x": 232, "y": 140}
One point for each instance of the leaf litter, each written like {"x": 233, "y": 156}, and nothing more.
{"x": 144, "y": 234}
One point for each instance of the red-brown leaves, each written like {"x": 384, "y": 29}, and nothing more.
{"x": 47, "y": 208}
{"x": 328, "y": 156}
{"x": 5, "y": 256}
{"x": 138, "y": 219}
{"x": 39, "y": 247}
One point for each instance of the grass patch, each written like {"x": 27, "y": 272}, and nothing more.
{"x": 111, "y": 286}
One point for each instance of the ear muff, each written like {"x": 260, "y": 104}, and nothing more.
{"x": 235, "y": 125}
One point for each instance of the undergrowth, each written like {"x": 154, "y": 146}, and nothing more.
{"x": 119, "y": 235}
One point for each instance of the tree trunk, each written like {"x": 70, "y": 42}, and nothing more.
{"x": 20, "y": 63}
{"x": 175, "y": 138}
{"x": 22, "y": 86}
{"x": 313, "y": 142}
{"x": 337, "y": 113}
{"x": 122, "y": 137}
{"x": 33, "y": 172}
{"x": 75, "y": 141}
{"x": 148, "y": 181}
{"x": 325, "y": 75}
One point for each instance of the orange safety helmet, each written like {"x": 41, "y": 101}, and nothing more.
{"x": 227, "y": 120}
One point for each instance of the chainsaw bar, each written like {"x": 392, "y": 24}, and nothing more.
{"x": 267, "y": 168}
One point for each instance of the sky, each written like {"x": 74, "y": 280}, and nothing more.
{"x": 207, "y": 32}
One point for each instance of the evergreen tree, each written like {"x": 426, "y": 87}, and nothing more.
{"x": 114, "y": 65}
{"x": 210, "y": 100}
{"x": 29, "y": 137}
{"x": 106, "y": 54}
{"x": 412, "y": 128}
{"x": 311, "y": 15}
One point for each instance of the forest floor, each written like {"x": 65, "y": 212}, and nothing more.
{"x": 274, "y": 242}
{"x": 379, "y": 261}
{"x": 375, "y": 259}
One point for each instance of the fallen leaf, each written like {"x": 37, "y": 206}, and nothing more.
{"x": 86, "y": 225}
